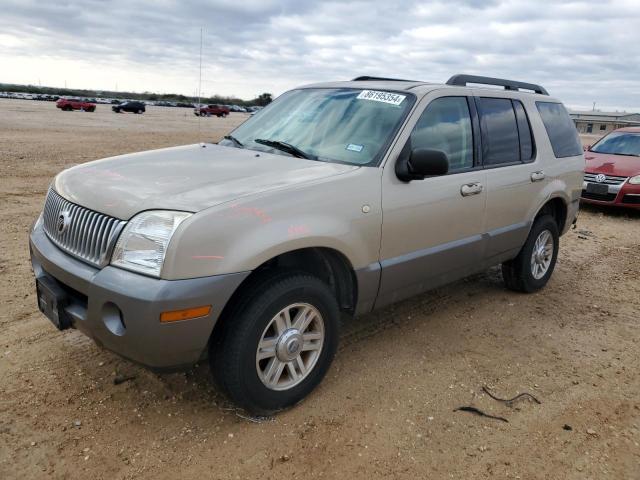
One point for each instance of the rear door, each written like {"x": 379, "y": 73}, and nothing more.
{"x": 515, "y": 176}
{"x": 432, "y": 229}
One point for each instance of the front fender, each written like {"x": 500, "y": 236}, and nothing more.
{"x": 241, "y": 235}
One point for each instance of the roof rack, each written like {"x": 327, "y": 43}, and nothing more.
{"x": 463, "y": 80}
{"x": 366, "y": 78}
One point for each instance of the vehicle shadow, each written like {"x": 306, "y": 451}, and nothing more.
{"x": 616, "y": 212}
{"x": 195, "y": 386}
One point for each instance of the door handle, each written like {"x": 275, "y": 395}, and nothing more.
{"x": 537, "y": 176}
{"x": 471, "y": 189}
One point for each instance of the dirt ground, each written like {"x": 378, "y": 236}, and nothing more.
{"x": 386, "y": 408}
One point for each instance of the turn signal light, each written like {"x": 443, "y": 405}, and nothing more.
{"x": 186, "y": 314}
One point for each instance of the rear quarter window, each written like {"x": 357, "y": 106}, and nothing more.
{"x": 560, "y": 129}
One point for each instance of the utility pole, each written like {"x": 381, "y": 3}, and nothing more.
{"x": 594, "y": 106}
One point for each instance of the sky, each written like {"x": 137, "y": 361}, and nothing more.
{"x": 581, "y": 51}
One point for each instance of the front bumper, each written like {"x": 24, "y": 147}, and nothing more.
{"x": 132, "y": 329}
{"x": 623, "y": 195}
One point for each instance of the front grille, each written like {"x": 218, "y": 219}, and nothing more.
{"x": 87, "y": 235}
{"x": 632, "y": 199}
{"x": 604, "y": 197}
{"x": 608, "y": 179}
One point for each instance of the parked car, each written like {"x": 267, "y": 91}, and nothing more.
{"x": 68, "y": 104}
{"x": 251, "y": 255}
{"x": 209, "y": 110}
{"x": 131, "y": 106}
{"x": 612, "y": 173}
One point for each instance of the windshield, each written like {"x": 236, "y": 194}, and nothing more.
{"x": 619, "y": 143}
{"x": 343, "y": 125}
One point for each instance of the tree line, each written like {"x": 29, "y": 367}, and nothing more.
{"x": 261, "y": 100}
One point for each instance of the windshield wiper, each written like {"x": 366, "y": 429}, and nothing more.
{"x": 234, "y": 140}
{"x": 285, "y": 147}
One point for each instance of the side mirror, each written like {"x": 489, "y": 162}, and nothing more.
{"x": 428, "y": 163}
{"x": 420, "y": 163}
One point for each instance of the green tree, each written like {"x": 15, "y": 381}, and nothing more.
{"x": 264, "y": 99}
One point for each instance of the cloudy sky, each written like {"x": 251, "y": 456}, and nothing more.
{"x": 582, "y": 51}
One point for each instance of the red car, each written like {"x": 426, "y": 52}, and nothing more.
{"x": 208, "y": 110}
{"x": 68, "y": 104}
{"x": 612, "y": 173}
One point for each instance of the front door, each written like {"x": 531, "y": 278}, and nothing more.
{"x": 432, "y": 230}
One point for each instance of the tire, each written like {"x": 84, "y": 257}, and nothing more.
{"x": 139, "y": 112}
{"x": 234, "y": 353}
{"x": 67, "y": 108}
{"x": 524, "y": 273}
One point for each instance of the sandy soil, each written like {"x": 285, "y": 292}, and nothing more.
{"x": 386, "y": 409}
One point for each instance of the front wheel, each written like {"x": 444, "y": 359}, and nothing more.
{"x": 279, "y": 345}
{"x": 532, "y": 268}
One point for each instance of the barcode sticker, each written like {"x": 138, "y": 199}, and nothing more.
{"x": 385, "y": 97}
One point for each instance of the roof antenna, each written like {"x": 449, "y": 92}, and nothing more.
{"x": 202, "y": 144}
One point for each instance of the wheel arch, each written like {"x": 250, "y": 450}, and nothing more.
{"x": 328, "y": 264}
{"x": 557, "y": 207}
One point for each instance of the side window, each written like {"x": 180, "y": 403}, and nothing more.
{"x": 560, "y": 129}
{"x": 524, "y": 132}
{"x": 499, "y": 131}
{"x": 446, "y": 125}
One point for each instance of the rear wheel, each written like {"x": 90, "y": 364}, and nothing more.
{"x": 532, "y": 268}
{"x": 139, "y": 112}
{"x": 276, "y": 348}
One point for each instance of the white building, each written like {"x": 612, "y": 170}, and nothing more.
{"x": 597, "y": 122}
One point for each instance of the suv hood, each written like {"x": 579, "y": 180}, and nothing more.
{"x": 618, "y": 165}
{"x": 189, "y": 178}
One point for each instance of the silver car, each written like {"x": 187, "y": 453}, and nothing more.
{"x": 338, "y": 198}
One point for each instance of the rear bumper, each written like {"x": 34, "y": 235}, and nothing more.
{"x": 132, "y": 329}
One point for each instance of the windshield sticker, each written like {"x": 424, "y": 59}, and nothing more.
{"x": 384, "y": 97}
{"x": 355, "y": 148}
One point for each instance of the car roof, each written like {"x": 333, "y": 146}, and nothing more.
{"x": 421, "y": 88}
{"x": 628, "y": 129}
{"x": 401, "y": 85}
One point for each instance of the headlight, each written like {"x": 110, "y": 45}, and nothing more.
{"x": 143, "y": 242}
{"x": 635, "y": 180}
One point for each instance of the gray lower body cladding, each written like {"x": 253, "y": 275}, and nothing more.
{"x": 120, "y": 310}
{"x": 408, "y": 275}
